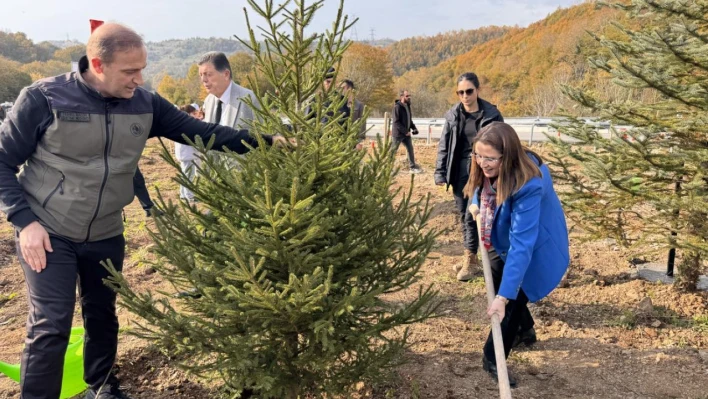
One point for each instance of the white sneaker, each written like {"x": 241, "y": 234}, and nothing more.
{"x": 416, "y": 169}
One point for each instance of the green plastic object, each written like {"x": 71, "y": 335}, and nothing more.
{"x": 73, "y": 380}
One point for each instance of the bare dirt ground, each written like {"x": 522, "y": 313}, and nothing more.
{"x": 595, "y": 341}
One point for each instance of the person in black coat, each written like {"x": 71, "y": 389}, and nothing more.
{"x": 141, "y": 192}
{"x": 342, "y": 113}
{"x": 402, "y": 127}
{"x": 462, "y": 122}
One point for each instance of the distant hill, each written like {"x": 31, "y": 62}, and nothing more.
{"x": 18, "y": 47}
{"x": 383, "y": 43}
{"x": 174, "y": 57}
{"x": 424, "y": 51}
{"x": 520, "y": 70}
{"x": 65, "y": 43}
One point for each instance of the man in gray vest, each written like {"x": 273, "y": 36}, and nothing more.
{"x": 75, "y": 140}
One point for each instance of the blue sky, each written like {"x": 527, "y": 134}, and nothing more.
{"x": 176, "y": 19}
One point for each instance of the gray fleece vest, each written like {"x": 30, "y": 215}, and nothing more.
{"x": 81, "y": 175}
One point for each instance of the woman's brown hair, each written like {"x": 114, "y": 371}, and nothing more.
{"x": 516, "y": 169}
{"x": 188, "y": 109}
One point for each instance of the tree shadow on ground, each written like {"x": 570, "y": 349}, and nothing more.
{"x": 559, "y": 367}
{"x": 578, "y": 316}
{"x": 443, "y": 208}
{"x": 147, "y": 373}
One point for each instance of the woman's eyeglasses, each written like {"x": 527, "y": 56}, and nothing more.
{"x": 469, "y": 92}
{"x": 490, "y": 160}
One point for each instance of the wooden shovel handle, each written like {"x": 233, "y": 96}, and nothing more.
{"x": 504, "y": 388}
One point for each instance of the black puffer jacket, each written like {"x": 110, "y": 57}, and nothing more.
{"x": 343, "y": 112}
{"x": 447, "y": 163}
{"x": 399, "y": 121}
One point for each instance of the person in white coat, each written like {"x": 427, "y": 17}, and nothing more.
{"x": 187, "y": 157}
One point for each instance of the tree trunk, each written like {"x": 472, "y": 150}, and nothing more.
{"x": 689, "y": 270}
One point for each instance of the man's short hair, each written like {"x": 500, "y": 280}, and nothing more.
{"x": 330, "y": 73}
{"x": 188, "y": 109}
{"x": 218, "y": 60}
{"x": 402, "y": 92}
{"x": 349, "y": 84}
{"x": 108, "y": 39}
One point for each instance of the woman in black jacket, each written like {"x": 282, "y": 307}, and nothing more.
{"x": 462, "y": 122}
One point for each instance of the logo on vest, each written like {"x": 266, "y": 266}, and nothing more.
{"x": 136, "y": 129}
{"x": 73, "y": 116}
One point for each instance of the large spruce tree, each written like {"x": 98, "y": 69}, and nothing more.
{"x": 289, "y": 265}
{"x": 648, "y": 185}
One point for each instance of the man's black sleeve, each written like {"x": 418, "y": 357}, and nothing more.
{"x": 19, "y": 135}
{"x": 171, "y": 123}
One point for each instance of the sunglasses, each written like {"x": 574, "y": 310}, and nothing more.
{"x": 469, "y": 92}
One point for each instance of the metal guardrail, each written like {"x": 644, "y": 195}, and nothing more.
{"x": 529, "y": 129}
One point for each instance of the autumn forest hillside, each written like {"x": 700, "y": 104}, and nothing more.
{"x": 521, "y": 69}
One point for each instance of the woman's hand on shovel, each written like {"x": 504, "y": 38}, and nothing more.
{"x": 498, "y": 306}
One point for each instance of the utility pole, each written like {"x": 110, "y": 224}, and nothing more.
{"x": 354, "y": 36}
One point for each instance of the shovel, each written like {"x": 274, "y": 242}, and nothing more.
{"x": 503, "y": 376}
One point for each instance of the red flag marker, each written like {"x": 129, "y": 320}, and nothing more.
{"x": 95, "y": 23}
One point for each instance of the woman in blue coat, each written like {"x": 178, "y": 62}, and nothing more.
{"x": 523, "y": 229}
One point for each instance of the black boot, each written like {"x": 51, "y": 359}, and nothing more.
{"x": 191, "y": 293}
{"x": 154, "y": 212}
{"x": 107, "y": 391}
{"x": 527, "y": 337}
{"x": 491, "y": 368}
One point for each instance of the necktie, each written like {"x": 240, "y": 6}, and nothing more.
{"x": 217, "y": 120}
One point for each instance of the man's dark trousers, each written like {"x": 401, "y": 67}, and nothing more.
{"x": 141, "y": 191}
{"x": 52, "y": 296}
{"x": 408, "y": 142}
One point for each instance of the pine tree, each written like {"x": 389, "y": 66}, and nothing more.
{"x": 301, "y": 244}
{"x": 648, "y": 185}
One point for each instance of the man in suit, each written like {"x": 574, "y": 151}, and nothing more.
{"x": 225, "y": 103}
